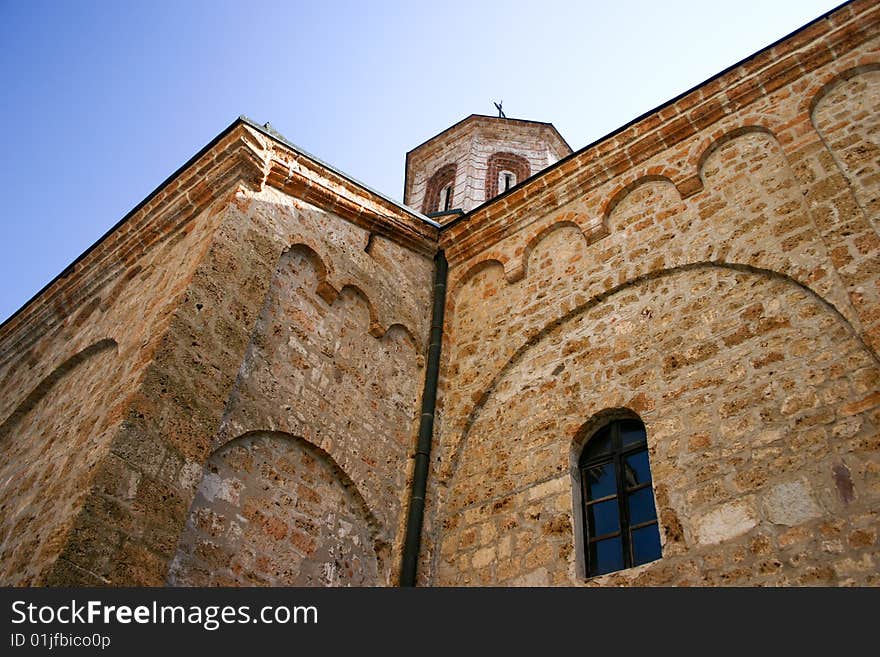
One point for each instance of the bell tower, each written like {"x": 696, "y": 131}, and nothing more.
{"x": 475, "y": 160}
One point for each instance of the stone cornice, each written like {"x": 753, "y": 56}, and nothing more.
{"x": 235, "y": 157}
{"x": 243, "y": 154}
{"x": 304, "y": 178}
{"x": 728, "y": 93}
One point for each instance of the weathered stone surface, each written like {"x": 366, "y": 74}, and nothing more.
{"x": 273, "y": 510}
{"x": 725, "y": 523}
{"x": 743, "y": 387}
{"x": 790, "y": 504}
{"x": 230, "y": 382}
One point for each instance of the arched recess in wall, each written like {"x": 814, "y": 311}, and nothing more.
{"x": 349, "y": 292}
{"x": 43, "y": 388}
{"x": 461, "y": 281}
{"x": 331, "y": 295}
{"x": 274, "y": 510}
{"x": 844, "y": 113}
{"x": 51, "y": 443}
{"x": 319, "y": 371}
{"x": 625, "y": 190}
{"x": 440, "y": 187}
{"x": 540, "y": 236}
{"x": 503, "y": 171}
{"x": 708, "y": 147}
{"x": 536, "y": 405}
{"x": 323, "y": 288}
{"x": 514, "y": 269}
{"x": 536, "y": 337}
{"x": 762, "y": 216}
{"x": 400, "y": 332}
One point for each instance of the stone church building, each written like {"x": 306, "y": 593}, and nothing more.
{"x": 651, "y": 361}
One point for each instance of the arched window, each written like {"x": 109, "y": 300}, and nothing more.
{"x": 440, "y": 190}
{"x": 445, "y": 198}
{"x": 617, "y": 499}
{"x": 503, "y": 171}
{"x": 506, "y": 180}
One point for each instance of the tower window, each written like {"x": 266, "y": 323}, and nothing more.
{"x": 504, "y": 171}
{"x": 619, "y": 515}
{"x": 446, "y": 199}
{"x": 506, "y": 180}
{"x": 440, "y": 190}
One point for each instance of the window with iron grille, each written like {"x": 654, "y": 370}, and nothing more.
{"x": 619, "y": 515}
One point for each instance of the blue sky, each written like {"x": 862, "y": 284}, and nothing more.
{"x": 104, "y": 100}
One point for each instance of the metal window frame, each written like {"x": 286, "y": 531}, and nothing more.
{"x": 617, "y": 456}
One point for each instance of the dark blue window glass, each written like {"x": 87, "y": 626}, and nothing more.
{"x": 604, "y": 517}
{"x": 599, "y": 444}
{"x": 601, "y": 481}
{"x": 636, "y": 469}
{"x": 622, "y": 530}
{"x": 632, "y": 433}
{"x": 645, "y": 544}
{"x": 641, "y": 506}
{"x": 606, "y": 556}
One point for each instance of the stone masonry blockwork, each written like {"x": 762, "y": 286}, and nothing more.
{"x": 272, "y": 510}
{"x": 227, "y": 388}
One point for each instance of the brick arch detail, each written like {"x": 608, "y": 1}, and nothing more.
{"x": 483, "y": 397}
{"x": 826, "y": 85}
{"x": 442, "y": 177}
{"x": 499, "y": 162}
{"x": 330, "y": 294}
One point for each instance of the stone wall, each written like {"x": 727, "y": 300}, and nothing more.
{"x": 65, "y": 395}
{"x": 194, "y": 303}
{"x": 712, "y": 269}
{"x": 273, "y": 510}
{"x": 335, "y": 358}
{"x": 760, "y": 407}
{"x": 225, "y": 389}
